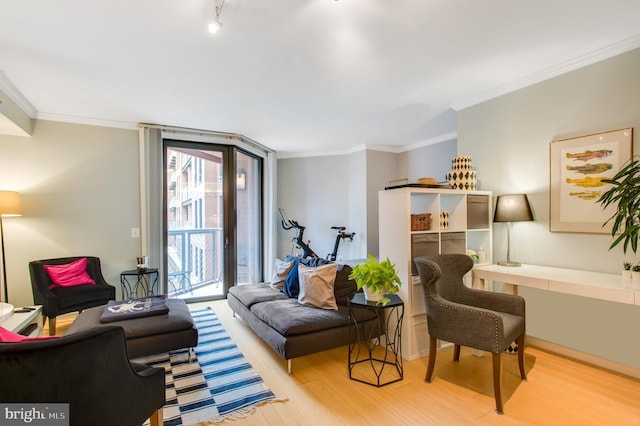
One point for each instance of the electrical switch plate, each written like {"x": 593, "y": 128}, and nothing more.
{"x": 135, "y": 232}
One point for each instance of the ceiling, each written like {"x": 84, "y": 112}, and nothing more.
{"x": 299, "y": 76}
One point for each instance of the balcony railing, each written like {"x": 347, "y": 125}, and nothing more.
{"x": 194, "y": 258}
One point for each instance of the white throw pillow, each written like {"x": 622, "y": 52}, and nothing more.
{"x": 316, "y": 286}
{"x": 280, "y": 271}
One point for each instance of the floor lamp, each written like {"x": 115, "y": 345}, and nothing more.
{"x": 9, "y": 206}
{"x": 512, "y": 208}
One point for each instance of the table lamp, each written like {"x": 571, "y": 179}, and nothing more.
{"x": 9, "y": 206}
{"x": 512, "y": 208}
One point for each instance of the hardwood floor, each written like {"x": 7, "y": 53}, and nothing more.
{"x": 559, "y": 391}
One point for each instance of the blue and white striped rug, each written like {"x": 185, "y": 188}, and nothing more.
{"x": 218, "y": 384}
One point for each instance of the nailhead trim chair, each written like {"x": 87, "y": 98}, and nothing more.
{"x": 478, "y": 319}
{"x": 63, "y": 300}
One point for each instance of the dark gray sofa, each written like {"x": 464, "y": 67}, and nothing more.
{"x": 295, "y": 330}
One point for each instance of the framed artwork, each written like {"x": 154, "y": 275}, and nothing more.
{"x": 577, "y": 167}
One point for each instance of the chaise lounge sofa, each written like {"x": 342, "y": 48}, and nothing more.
{"x": 291, "y": 325}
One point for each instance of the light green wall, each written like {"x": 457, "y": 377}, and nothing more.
{"x": 508, "y": 138}
{"x": 79, "y": 188}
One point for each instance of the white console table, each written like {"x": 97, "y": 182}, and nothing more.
{"x": 597, "y": 285}
{"x": 19, "y": 321}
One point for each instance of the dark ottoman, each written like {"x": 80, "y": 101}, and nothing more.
{"x": 149, "y": 335}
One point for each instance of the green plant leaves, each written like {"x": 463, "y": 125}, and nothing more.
{"x": 377, "y": 276}
{"x": 625, "y": 195}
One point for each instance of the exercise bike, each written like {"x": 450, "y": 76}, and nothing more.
{"x": 342, "y": 235}
{"x": 300, "y": 243}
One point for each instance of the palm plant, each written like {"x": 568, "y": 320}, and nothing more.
{"x": 625, "y": 195}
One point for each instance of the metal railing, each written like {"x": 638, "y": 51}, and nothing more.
{"x": 194, "y": 258}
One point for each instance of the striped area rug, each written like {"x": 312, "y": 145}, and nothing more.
{"x": 217, "y": 385}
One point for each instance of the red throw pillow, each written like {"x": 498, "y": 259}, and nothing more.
{"x": 69, "y": 274}
{"x": 7, "y": 336}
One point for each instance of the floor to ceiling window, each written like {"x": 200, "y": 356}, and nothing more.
{"x": 213, "y": 218}
{"x": 248, "y": 218}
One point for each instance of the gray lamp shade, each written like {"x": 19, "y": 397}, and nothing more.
{"x": 512, "y": 208}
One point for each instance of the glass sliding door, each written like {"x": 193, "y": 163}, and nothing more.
{"x": 194, "y": 220}
{"x": 213, "y": 219}
{"x": 248, "y": 218}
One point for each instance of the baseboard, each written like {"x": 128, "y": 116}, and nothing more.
{"x": 583, "y": 357}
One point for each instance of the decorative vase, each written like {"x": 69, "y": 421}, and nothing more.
{"x": 626, "y": 274}
{"x": 373, "y": 296}
{"x": 444, "y": 220}
{"x": 635, "y": 275}
{"x": 462, "y": 176}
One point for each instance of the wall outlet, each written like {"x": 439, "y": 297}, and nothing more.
{"x": 135, "y": 232}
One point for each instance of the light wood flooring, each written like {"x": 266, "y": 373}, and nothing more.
{"x": 559, "y": 391}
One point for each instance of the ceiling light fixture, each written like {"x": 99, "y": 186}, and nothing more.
{"x": 215, "y": 25}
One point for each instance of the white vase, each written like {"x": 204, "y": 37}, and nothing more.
{"x": 626, "y": 274}
{"x": 373, "y": 296}
{"x": 635, "y": 275}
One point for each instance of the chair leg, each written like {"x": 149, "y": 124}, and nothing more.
{"x": 520, "y": 341}
{"x": 497, "y": 370}
{"x": 456, "y": 352}
{"x": 52, "y": 326}
{"x": 156, "y": 418}
{"x": 433, "y": 350}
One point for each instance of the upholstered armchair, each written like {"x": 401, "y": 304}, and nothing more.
{"x": 478, "y": 319}
{"x": 61, "y": 300}
{"x": 90, "y": 371}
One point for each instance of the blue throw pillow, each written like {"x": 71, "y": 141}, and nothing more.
{"x": 291, "y": 285}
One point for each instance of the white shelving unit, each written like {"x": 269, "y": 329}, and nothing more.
{"x": 469, "y": 228}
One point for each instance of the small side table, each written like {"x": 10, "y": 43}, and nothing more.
{"x": 375, "y": 355}
{"x": 142, "y": 283}
{"x": 26, "y": 321}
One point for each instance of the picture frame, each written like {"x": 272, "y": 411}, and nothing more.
{"x": 577, "y": 166}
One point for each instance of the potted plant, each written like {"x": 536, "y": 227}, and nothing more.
{"x": 635, "y": 272}
{"x": 625, "y": 195}
{"x": 626, "y": 270}
{"x": 377, "y": 278}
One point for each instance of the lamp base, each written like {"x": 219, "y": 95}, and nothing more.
{"x": 509, "y": 263}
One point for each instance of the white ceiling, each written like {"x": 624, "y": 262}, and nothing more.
{"x": 298, "y": 75}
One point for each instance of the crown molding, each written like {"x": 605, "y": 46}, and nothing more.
{"x": 563, "y": 68}
{"x": 442, "y": 138}
{"x": 285, "y": 155}
{"x": 363, "y": 147}
{"x": 16, "y": 96}
{"x": 87, "y": 120}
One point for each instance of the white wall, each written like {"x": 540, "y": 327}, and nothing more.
{"x": 357, "y": 195}
{"x": 80, "y": 196}
{"x": 314, "y": 192}
{"x": 509, "y": 138}
{"x": 429, "y": 161}
{"x": 382, "y": 167}
{"x": 320, "y": 192}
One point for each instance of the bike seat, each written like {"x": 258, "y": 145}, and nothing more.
{"x": 339, "y": 228}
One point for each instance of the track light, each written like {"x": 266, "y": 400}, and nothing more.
{"x": 214, "y": 27}
{"x": 215, "y": 24}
